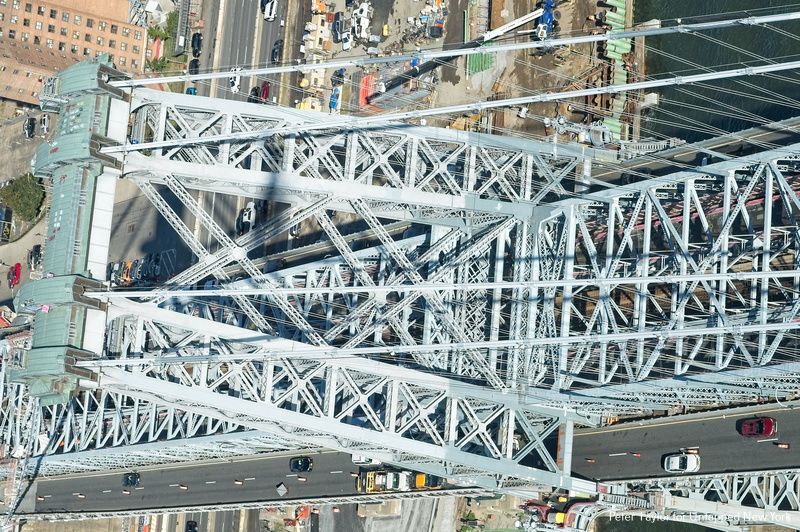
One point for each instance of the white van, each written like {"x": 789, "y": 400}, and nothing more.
{"x": 270, "y": 10}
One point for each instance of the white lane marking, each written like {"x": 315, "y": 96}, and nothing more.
{"x": 335, "y": 472}
{"x": 617, "y": 454}
{"x": 106, "y": 491}
{"x": 174, "y": 485}
{"x": 211, "y": 481}
{"x": 217, "y": 46}
{"x": 250, "y": 478}
{"x": 291, "y": 475}
{"x": 138, "y": 488}
{"x": 771, "y": 439}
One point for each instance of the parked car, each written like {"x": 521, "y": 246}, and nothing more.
{"x": 334, "y": 101}
{"x": 194, "y": 67}
{"x": 35, "y": 257}
{"x": 111, "y": 271}
{"x": 197, "y": 44}
{"x": 277, "y": 51}
{"x": 141, "y": 271}
{"x": 246, "y": 219}
{"x": 14, "y": 274}
{"x": 300, "y": 464}
{"x": 270, "y": 9}
{"x": 758, "y": 427}
{"x": 44, "y": 124}
{"x": 191, "y": 91}
{"x": 347, "y": 40}
{"x": 116, "y": 271}
{"x": 29, "y": 127}
{"x": 154, "y": 267}
{"x": 254, "y": 96}
{"x": 682, "y": 463}
{"x": 125, "y": 276}
{"x": 337, "y": 27}
{"x": 130, "y": 480}
{"x": 337, "y": 78}
{"x": 235, "y": 81}
{"x": 249, "y": 215}
{"x": 265, "y": 91}
{"x": 134, "y": 268}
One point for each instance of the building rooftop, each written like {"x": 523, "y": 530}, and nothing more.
{"x": 70, "y": 165}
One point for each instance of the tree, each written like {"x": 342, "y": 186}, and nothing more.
{"x": 156, "y": 32}
{"x": 172, "y": 25}
{"x": 157, "y": 65}
{"x": 25, "y": 196}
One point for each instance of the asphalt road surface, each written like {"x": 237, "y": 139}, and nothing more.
{"x": 247, "y": 40}
{"x": 163, "y": 487}
{"x": 721, "y": 447}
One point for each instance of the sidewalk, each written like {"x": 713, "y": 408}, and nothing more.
{"x": 17, "y": 251}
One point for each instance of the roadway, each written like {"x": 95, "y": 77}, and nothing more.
{"x": 244, "y": 39}
{"x": 184, "y": 485}
{"x": 240, "y": 37}
{"x": 721, "y": 447}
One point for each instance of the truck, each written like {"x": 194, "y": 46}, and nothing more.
{"x": 380, "y": 481}
{"x": 424, "y": 481}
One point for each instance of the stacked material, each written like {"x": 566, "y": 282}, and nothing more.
{"x": 615, "y": 50}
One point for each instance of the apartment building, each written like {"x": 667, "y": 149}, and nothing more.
{"x": 40, "y": 38}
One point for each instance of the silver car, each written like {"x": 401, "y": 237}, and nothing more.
{"x": 682, "y": 463}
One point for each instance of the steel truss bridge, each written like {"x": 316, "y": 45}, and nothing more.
{"x": 526, "y": 297}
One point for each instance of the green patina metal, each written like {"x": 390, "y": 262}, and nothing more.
{"x": 71, "y": 162}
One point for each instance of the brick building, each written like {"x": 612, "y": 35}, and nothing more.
{"x": 38, "y": 38}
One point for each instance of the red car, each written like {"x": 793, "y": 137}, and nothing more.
{"x": 13, "y": 275}
{"x": 265, "y": 91}
{"x": 758, "y": 427}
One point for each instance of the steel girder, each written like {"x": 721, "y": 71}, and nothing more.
{"x": 410, "y": 161}
{"x": 102, "y": 429}
{"x": 739, "y": 216}
{"x": 401, "y": 415}
{"x": 573, "y": 342}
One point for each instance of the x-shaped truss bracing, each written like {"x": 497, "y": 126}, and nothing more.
{"x": 775, "y": 493}
{"x": 640, "y": 297}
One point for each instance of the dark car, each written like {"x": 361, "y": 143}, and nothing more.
{"x": 14, "y": 274}
{"x": 300, "y": 464}
{"x": 338, "y": 77}
{"x": 29, "y": 127}
{"x": 254, "y": 96}
{"x": 758, "y": 427}
{"x": 191, "y": 526}
{"x": 154, "y": 268}
{"x": 242, "y": 225}
{"x": 337, "y": 28}
{"x": 194, "y": 67}
{"x": 35, "y": 257}
{"x": 197, "y": 44}
{"x": 130, "y": 480}
{"x": 277, "y": 51}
